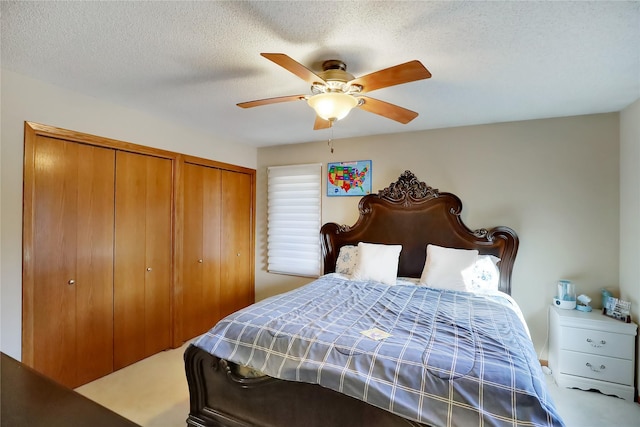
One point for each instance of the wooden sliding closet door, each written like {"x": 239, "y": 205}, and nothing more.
{"x": 68, "y": 263}
{"x": 101, "y": 234}
{"x": 142, "y": 285}
{"x": 201, "y": 249}
{"x": 217, "y": 262}
{"x": 237, "y": 289}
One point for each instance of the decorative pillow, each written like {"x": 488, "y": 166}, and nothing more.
{"x": 378, "y": 263}
{"x": 485, "y": 275}
{"x": 447, "y": 268}
{"x": 346, "y": 261}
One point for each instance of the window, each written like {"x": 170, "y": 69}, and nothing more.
{"x": 293, "y": 219}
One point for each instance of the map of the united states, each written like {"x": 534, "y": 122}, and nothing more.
{"x": 347, "y": 178}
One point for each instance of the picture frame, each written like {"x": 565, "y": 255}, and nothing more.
{"x": 617, "y": 309}
{"x": 351, "y": 178}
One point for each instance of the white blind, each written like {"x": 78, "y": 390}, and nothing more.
{"x": 293, "y": 219}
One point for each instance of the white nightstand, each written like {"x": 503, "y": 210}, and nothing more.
{"x": 592, "y": 351}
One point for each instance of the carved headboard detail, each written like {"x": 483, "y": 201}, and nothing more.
{"x": 411, "y": 213}
{"x": 408, "y": 190}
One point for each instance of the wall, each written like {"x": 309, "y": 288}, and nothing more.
{"x": 554, "y": 181}
{"x": 630, "y": 209}
{"x": 25, "y": 99}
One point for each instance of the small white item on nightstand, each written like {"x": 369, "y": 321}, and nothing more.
{"x": 583, "y": 303}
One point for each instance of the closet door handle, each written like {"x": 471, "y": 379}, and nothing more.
{"x": 149, "y": 268}
{"x": 200, "y": 261}
{"x": 71, "y": 282}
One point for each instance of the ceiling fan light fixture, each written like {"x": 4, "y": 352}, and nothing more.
{"x": 332, "y": 106}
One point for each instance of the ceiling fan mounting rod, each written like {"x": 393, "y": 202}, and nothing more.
{"x": 334, "y": 64}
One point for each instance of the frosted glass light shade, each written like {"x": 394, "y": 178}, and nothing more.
{"x": 332, "y": 105}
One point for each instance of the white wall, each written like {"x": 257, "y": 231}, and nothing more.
{"x": 554, "y": 181}
{"x": 25, "y": 99}
{"x": 630, "y": 209}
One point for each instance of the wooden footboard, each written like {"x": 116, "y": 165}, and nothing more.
{"x": 220, "y": 398}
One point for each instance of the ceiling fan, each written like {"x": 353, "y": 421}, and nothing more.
{"x": 334, "y": 92}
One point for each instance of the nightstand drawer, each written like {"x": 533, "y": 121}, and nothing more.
{"x": 597, "y": 342}
{"x": 597, "y": 367}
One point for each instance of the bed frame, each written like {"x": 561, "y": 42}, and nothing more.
{"x": 408, "y": 212}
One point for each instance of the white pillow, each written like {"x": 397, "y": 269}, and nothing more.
{"x": 346, "y": 261}
{"x": 447, "y": 267}
{"x": 485, "y": 274}
{"x": 378, "y": 263}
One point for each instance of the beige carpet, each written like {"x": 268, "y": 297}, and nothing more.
{"x": 154, "y": 393}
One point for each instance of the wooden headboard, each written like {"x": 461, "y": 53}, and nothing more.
{"x": 412, "y": 214}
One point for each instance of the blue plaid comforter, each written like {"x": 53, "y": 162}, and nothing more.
{"x": 453, "y": 358}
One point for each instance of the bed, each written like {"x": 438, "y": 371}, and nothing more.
{"x": 439, "y": 342}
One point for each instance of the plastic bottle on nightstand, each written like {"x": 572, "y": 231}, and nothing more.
{"x": 605, "y": 297}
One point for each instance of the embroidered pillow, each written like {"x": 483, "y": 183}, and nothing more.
{"x": 485, "y": 275}
{"x": 346, "y": 261}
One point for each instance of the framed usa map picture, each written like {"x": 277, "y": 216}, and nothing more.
{"x": 349, "y": 178}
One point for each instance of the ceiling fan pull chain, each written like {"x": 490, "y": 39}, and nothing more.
{"x": 330, "y": 141}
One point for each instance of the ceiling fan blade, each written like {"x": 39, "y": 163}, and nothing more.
{"x": 388, "y": 110}
{"x": 294, "y": 66}
{"x": 399, "y": 74}
{"x": 321, "y": 123}
{"x": 267, "y": 101}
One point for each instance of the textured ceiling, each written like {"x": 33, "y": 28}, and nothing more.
{"x": 191, "y": 62}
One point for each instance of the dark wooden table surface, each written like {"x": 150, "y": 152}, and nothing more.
{"x": 28, "y": 398}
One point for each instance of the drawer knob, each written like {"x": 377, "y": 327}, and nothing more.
{"x": 603, "y": 342}
{"x": 589, "y": 340}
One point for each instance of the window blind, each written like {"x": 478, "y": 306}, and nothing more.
{"x": 293, "y": 219}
